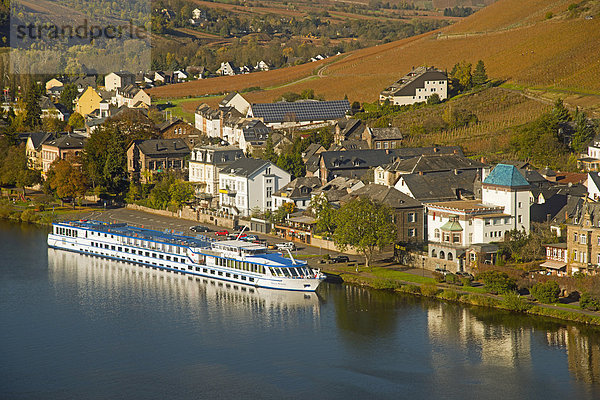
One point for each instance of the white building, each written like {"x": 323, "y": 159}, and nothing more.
{"x": 416, "y": 87}
{"x": 208, "y": 121}
{"x": 593, "y": 185}
{"x": 460, "y": 231}
{"x": 117, "y": 80}
{"x": 205, "y": 163}
{"x": 249, "y": 184}
{"x": 226, "y": 69}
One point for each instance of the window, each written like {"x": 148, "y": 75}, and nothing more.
{"x": 519, "y": 204}
{"x": 456, "y": 238}
{"x": 269, "y": 191}
{"x": 575, "y": 255}
{"x": 487, "y": 222}
{"x": 446, "y": 237}
{"x": 436, "y": 233}
{"x": 519, "y": 219}
{"x": 412, "y": 232}
{"x": 583, "y": 239}
{"x": 412, "y": 217}
{"x": 575, "y": 237}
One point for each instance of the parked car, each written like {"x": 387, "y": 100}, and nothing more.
{"x": 250, "y": 238}
{"x": 199, "y": 228}
{"x": 237, "y": 236}
{"x": 285, "y": 246}
{"x": 465, "y": 275}
{"x": 224, "y": 232}
{"x": 271, "y": 246}
{"x": 339, "y": 259}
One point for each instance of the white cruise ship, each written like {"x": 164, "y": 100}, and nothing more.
{"x": 230, "y": 260}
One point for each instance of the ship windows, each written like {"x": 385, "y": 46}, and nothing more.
{"x": 197, "y": 268}
{"x": 212, "y": 271}
{"x": 236, "y": 276}
{"x": 106, "y": 246}
{"x": 243, "y": 278}
{"x": 147, "y": 254}
{"x": 154, "y": 255}
{"x": 161, "y": 256}
{"x": 120, "y": 248}
{"x": 220, "y": 273}
{"x": 251, "y": 279}
{"x": 227, "y": 274}
{"x": 112, "y": 247}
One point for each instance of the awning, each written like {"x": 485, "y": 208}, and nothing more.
{"x": 554, "y": 264}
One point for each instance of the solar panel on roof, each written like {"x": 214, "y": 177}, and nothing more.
{"x": 301, "y": 111}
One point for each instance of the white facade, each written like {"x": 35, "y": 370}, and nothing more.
{"x": 422, "y": 94}
{"x": 593, "y": 188}
{"x": 114, "y": 81}
{"x": 240, "y": 194}
{"x": 211, "y": 127}
{"x": 515, "y": 203}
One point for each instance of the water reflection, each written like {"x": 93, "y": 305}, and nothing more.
{"x": 89, "y": 278}
{"x": 583, "y": 352}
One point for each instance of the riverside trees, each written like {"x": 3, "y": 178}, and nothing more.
{"x": 364, "y": 225}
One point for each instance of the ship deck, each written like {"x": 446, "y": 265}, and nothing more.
{"x": 122, "y": 229}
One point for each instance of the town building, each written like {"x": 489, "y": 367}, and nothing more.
{"x": 440, "y": 186}
{"x": 227, "y": 69}
{"x": 132, "y": 97}
{"x": 204, "y": 166}
{"x": 118, "y": 80}
{"x": 556, "y": 259}
{"x": 583, "y": 240}
{"x": 33, "y": 149}
{"x": 299, "y": 191}
{"x": 383, "y": 138}
{"x": 248, "y": 184}
{"x": 237, "y": 101}
{"x": 66, "y": 147}
{"x": 461, "y": 232}
{"x": 147, "y": 157}
{"x": 416, "y": 87}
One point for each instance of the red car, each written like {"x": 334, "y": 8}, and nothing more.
{"x": 224, "y": 232}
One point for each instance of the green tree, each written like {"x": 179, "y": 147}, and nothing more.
{"x": 366, "y": 226}
{"x": 33, "y": 110}
{"x": 292, "y": 163}
{"x": 180, "y": 192}
{"x": 479, "y": 74}
{"x": 546, "y": 292}
{"x": 269, "y": 153}
{"x": 76, "y": 121}
{"x": 105, "y": 160}
{"x": 560, "y": 112}
{"x": 497, "y": 282}
{"x": 588, "y": 301}
{"x": 584, "y": 132}
{"x": 68, "y": 96}
{"x": 433, "y": 99}
{"x": 462, "y": 76}
{"x": 323, "y": 211}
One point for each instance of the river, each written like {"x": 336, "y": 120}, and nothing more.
{"x": 75, "y": 327}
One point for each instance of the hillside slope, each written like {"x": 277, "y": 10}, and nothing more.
{"x": 514, "y": 38}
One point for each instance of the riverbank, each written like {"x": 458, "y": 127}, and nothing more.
{"x": 381, "y": 278}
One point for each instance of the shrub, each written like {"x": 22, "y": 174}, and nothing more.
{"x": 411, "y": 289}
{"x": 465, "y": 281}
{"x": 497, "y": 282}
{"x": 450, "y": 294}
{"x": 479, "y": 300}
{"x": 429, "y": 290}
{"x": 451, "y": 278}
{"x": 549, "y": 15}
{"x": 29, "y": 216}
{"x": 589, "y": 302}
{"x": 386, "y": 284}
{"x": 546, "y": 292}
{"x": 514, "y": 302}
{"x": 326, "y": 257}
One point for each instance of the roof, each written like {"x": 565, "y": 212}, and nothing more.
{"x": 468, "y": 205}
{"x": 68, "y": 141}
{"x": 554, "y": 264}
{"x": 386, "y": 133}
{"x": 227, "y": 99}
{"x": 595, "y": 178}
{"x": 311, "y": 150}
{"x": 506, "y": 175}
{"x": 299, "y": 188}
{"x": 435, "y": 162}
{"x": 37, "y": 138}
{"x": 167, "y": 124}
{"x": 307, "y": 110}
{"x": 452, "y": 226}
{"x": 161, "y": 147}
{"x": 389, "y": 196}
{"x": 441, "y": 186}
{"x": 355, "y": 159}
{"x": 338, "y": 187}
{"x": 245, "y": 166}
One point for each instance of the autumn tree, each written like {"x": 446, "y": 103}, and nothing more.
{"x": 76, "y": 121}
{"x": 584, "y": 132}
{"x": 366, "y": 226}
{"x": 461, "y": 77}
{"x": 67, "y": 180}
{"x": 283, "y": 211}
{"x": 68, "y": 96}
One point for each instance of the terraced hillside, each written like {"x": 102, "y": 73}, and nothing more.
{"x": 518, "y": 41}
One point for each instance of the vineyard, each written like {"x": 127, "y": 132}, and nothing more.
{"x": 560, "y": 54}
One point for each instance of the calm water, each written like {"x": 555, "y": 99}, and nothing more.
{"x": 73, "y": 327}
